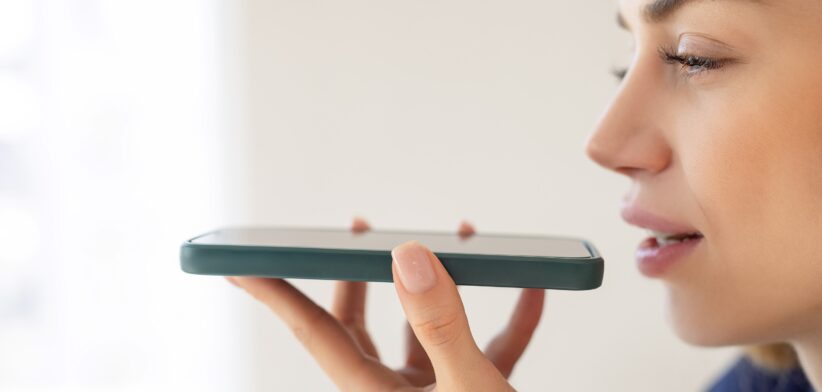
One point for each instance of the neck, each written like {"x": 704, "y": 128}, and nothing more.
{"x": 810, "y": 357}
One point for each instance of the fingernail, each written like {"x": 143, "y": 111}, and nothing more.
{"x": 414, "y": 267}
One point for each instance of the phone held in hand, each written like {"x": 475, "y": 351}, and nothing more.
{"x": 336, "y": 254}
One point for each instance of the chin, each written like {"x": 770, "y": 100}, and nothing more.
{"x": 702, "y": 337}
{"x": 698, "y": 327}
{"x": 712, "y": 335}
{"x": 717, "y": 320}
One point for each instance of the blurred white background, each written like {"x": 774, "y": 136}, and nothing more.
{"x": 126, "y": 127}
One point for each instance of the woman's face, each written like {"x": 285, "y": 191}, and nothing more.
{"x": 723, "y": 136}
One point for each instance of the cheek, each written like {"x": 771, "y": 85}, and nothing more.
{"x": 755, "y": 169}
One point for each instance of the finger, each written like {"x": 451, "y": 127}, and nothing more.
{"x": 324, "y": 338}
{"x": 349, "y": 303}
{"x": 231, "y": 280}
{"x": 466, "y": 230}
{"x": 436, "y": 314}
{"x": 417, "y": 358}
{"x": 349, "y": 309}
{"x": 418, "y": 370}
{"x": 506, "y": 348}
{"x": 360, "y": 225}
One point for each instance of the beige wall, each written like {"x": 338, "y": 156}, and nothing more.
{"x": 416, "y": 114}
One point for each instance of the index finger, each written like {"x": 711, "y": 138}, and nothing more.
{"x": 349, "y": 297}
{"x": 360, "y": 225}
{"x": 324, "y": 338}
{"x": 507, "y": 347}
{"x": 466, "y": 230}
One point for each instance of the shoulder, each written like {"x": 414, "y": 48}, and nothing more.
{"x": 744, "y": 376}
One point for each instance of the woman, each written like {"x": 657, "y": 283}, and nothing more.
{"x": 718, "y": 125}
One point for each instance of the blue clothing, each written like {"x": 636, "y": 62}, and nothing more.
{"x": 745, "y": 376}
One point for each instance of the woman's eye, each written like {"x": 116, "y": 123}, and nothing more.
{"x": 691, "y": 65}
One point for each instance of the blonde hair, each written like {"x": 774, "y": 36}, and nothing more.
{"x": 776, "y": 357}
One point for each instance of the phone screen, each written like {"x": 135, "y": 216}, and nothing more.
{"x": 481, "y": 244}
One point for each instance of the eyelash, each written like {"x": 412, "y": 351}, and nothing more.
{"x": 669, "y": 56}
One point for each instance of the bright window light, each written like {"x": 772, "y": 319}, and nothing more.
{"x": 16, "y": 27}
{"x": 19, "y": 104}
{"x": 18, "y": 234}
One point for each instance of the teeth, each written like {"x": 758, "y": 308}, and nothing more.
{"x": 659, "y": 234}
{"x": 663, "y": 238}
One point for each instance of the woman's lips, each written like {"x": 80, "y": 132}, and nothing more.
{"x": 654, "y": 259}
{"x": 636, "y": 216}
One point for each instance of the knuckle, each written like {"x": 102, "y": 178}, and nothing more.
{"x": 356, "y": 329}
{"x": 302, "y": 334}
{"x": 440, "y": 328}
{"x": 352, "y": 321}
{"x": 304, "y": 329}
{"x": 360, "y": 369}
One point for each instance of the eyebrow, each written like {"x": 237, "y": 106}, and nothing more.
{"x": 659, "y": 10}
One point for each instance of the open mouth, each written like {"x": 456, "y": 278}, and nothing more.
{"x": 661, "y": 239}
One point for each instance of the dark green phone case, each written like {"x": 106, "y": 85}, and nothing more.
{"x": 371, "y": 265}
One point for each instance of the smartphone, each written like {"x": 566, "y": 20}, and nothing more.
{"x": 338, "y": 254}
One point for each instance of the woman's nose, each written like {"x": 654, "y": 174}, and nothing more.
{"x": 630, "y": 138}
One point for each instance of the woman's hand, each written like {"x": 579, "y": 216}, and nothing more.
{"x": 442, "y": 353}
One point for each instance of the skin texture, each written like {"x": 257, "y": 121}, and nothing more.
{"x": 441, "y": 352}
{"x": 735, "y": 152}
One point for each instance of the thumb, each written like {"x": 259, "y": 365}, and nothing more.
{"x": 436, "y": 314}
